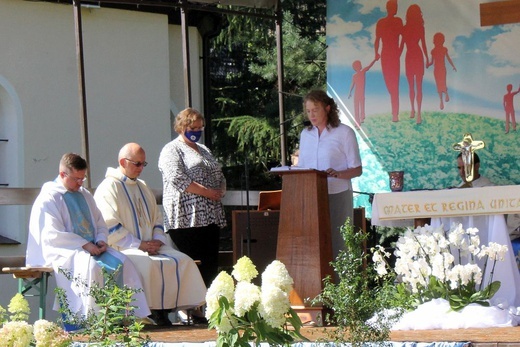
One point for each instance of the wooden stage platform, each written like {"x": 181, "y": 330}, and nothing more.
{"x": 490, "y": 337}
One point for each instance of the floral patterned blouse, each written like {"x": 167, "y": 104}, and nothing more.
{"x": 181, "y": 165}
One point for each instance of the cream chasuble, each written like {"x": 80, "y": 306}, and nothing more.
{"x": 171, "y": 280}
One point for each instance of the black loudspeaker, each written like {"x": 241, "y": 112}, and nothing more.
{"x": 264, "y": 234}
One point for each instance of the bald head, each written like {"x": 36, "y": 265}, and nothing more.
{"x": 132, "y": 160}
{"x": 130, "y": 149}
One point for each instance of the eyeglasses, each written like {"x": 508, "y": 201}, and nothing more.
{"x": 77, "y": 179}
{"x": 137, "y": 163}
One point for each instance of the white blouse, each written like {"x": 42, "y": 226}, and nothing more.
{"x": 336, "y": 148}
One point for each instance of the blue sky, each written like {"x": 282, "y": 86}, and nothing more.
{"x": 486, "y": 58}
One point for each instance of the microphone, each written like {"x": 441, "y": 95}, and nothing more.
{"x": 286, "y": 130}
{"x": 290, "y": 119}
{"x": 291, "y": 94}
{"x": 304, "y": 123}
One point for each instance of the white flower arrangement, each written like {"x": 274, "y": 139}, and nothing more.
{"x": 245, "y": 313}
{"x": 431, "y": 264}
{"x": 18, "y": 333}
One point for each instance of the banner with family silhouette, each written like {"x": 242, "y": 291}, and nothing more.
{"x": 412, "y": 77}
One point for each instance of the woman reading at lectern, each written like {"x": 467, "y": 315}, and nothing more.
{"x": 331, "y": 146}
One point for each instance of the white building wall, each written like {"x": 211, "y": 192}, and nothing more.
{"x": 178, "y": 93}
{"x": 128, "y": 67}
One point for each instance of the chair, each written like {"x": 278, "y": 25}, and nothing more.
{"x": 269, "y": 200}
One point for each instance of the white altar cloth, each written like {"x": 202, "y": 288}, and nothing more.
{"x": 445, "y": 203}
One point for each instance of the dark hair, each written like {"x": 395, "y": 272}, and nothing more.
{"x": 72, "y": 161}
{"x": 476, "y": 159}
{"x": 319, "y": 96}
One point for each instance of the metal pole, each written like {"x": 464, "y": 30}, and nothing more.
{"x": 186, "y": 52}
{"x": 281, "y": 109}
{"x": 81, "y": 87}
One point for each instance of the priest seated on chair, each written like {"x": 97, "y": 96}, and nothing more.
{"x": 171, "y": 279}
{"x": 67, "y": 232}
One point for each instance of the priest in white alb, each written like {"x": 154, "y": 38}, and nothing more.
{"x": 67, "y": 232}
{"x": 171, "y": 279}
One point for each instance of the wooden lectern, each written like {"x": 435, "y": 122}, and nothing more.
{"x": 304, "y": 243}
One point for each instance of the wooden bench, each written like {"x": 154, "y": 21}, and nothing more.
{"x": 32, "y": 280}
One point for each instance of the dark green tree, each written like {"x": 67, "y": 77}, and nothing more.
{"x": 244, "y": 86}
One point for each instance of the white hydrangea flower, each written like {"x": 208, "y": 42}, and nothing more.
{"x": 43, "y": 331}
{"x": 276, "y": 274}
{"x": 16, "y": 334}
{"x": 246, "y": 296}
{"x": 49, "y": 334}
{"x": 222, "y": 285}
{"x": 19, "y": 308}
{"x": 274, "y": 304}
{"x": 244, "y": 270}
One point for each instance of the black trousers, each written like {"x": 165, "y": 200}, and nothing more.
{"x": 201, "y": 243}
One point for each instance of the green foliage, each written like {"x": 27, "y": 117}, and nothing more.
{"x": 466, "y": 297}
{"x": 388, "y": 235}
{"x": 244, "y": 82}
{"x": 360, "y": 295}
{"x": 304, "y": 60}
{"x": 252, "y": 328}
{"x": 258, "y": 134}
{"x": 3, "y": 315}
{"x": 114, "y": 320}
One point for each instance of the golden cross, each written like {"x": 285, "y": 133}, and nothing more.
{"x": 467, "y": 148}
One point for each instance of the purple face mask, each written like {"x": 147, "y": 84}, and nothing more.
{"x": 193, "y": 136}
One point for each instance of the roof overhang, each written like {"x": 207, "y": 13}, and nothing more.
{"x": 244, "y": 3}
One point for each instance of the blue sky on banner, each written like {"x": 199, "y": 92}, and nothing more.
{"x": 486, "y": 58}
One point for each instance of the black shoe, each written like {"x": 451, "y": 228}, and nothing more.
{"x": 160, "y": 317}
{"x": 199, "y": 320}
{"x": 189, "y": 318}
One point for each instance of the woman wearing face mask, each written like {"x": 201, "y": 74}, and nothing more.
{"x": 193, "y": 185}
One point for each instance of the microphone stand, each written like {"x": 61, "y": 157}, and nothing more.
{"x": 248, "y": 213}
{"x": 246, "y": 179}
